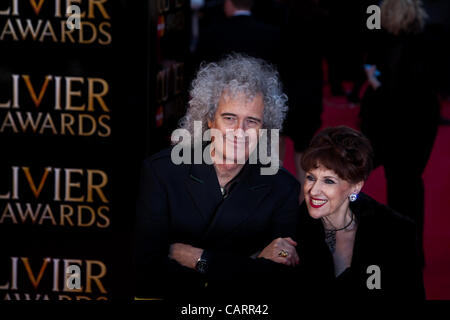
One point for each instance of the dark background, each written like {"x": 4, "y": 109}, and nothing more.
{"x": 130, "y": 65}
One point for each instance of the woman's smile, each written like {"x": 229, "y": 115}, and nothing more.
{"x": 317, "y": 203}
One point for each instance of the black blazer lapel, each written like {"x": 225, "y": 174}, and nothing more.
{"x": 239, "y": 205}
{"x": 203, "y": 187}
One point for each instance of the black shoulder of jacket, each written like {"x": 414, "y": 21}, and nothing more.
{"x": 161, "y": 161}
{"x": 365, "y": 207}
{"x": 165, "y": 153}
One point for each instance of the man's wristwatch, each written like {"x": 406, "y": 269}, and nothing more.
{"x": 202, "y": 264}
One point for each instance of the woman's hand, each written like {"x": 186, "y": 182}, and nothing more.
{"x": 185, "y": 254}
{"x": 373, "y": 81}
{"x": 281, "y": 250}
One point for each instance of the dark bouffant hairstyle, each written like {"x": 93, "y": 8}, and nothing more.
{"x": 344, "y": 150}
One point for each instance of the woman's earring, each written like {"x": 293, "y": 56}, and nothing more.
{"x": 353, "y": 197}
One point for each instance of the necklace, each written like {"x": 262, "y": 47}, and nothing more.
{"x": 330, "y": 234}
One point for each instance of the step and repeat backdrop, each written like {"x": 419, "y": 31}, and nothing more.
{"x": 80, "y": 107}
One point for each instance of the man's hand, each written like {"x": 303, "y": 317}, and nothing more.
{"x": 185, "y": 254}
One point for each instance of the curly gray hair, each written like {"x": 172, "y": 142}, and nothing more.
{"x": 235, "y": 74}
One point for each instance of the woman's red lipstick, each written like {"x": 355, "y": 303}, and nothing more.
{"x": 316, "y": 205}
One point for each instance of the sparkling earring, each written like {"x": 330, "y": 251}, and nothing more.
{"x": 353, "y": 197}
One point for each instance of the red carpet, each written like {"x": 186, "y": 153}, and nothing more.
{"x": 437, "y": 191}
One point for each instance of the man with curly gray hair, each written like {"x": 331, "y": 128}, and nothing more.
{"x": 201, "y": 226}
{"x": 251, "y": 92}
{"x": 236, "y": 74}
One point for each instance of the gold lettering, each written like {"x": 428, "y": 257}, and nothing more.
{"x": 70, "y": 184}
{"x": 90, "y": 276}
{"x": 47, "y": 214}
{"x": 82, "y": 33}
{"x": 58, "y": 8}
{"x": 57, "y": 93}
{"x": 99, "y": 4}
{"x": 5, "y": 214}
{"x": 65, "y": 125}
{"x": 80, "y": 216}
{"x": 29, "y": 121}
{"x": 70, "y": 93}
{"x": 35, "y": 281}
{"x": 96, "y": 95}
{"x": 50, "y": 32}
{"x": 5, "y": 12}
{"x": 97, "y": 187}
{"x": 29, "y": 29}
{"x": 104, "y": 125}
{"x": 28, "y": 212}
{"x": 36, "y": 8}
{"x": 8, "y": 29}
{"x": 105, "y": 33}
{"x": 64, "y": 215}
{"x": 37, "y": 100}
{"x": 35, "y": 191}
{"x": 9, "y": 122}
{"x": 82, "y": 127}
{"x": 66, "y": 32}
{"x": 48, "y": 124}
{"x": 107, "y": 221}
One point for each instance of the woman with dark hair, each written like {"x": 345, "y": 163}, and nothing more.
{"x": 349, "y": 245}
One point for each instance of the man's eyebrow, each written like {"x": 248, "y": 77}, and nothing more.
{"x": 235, "y": 115}
{"x": 253, "y": 118}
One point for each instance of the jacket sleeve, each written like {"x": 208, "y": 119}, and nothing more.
{"x": 225, "y": 265}
{"x": 151, "y": 234}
